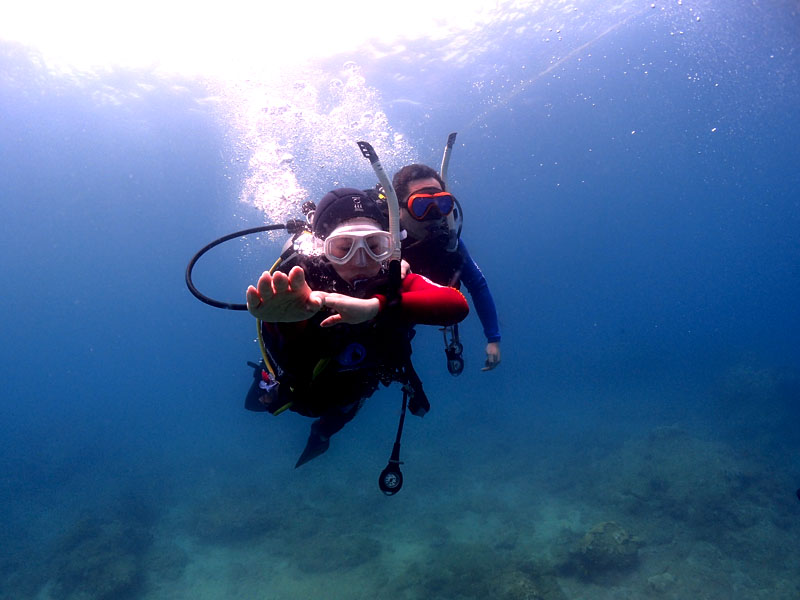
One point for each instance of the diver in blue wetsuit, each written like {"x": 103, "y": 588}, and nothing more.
{"x": 432, "y": 246}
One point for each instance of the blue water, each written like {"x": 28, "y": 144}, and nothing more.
{"x": 629, "y": 181}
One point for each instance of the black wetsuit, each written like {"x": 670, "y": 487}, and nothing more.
{"x": 329, "y": 372}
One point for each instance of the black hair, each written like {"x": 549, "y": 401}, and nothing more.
{"x": 409, "y": 173}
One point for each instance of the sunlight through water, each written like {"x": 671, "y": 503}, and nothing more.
{"x": 236, "y": 40}
{"x": 294, "y": 122}
{"x": 288, "y": 116}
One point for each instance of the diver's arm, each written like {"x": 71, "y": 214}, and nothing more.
{"x": 426, "y": 303}
{"x": 478, "y": 288}
{"x": 349, "y": 309}
{"x": 421, "y": 301}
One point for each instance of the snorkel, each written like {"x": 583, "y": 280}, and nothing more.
{"x": 391, "y": 198}
{"x": 448, "y": 149}
{"x": 455, "y": 218}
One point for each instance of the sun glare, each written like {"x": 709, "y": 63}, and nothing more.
{"x": 234, "y": 40}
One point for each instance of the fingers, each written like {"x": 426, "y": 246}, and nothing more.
{"x": 297, "y": 278}
{"x": 280, "y": 282}
{"x": 491, "y": 362}
{"x": 253, "y": 299}
{"x": 264, "y": 286}
{"x": 492, "y": 356}
{"x": 316, "y": 301}
{"x": 338, "y": 303}
{"x": 341, "y": 305}
{"x": 331, "y": 321}
{"x": 282, "y": 298}
{"x": 351, "y": 310}
{"x": 405, "y": 269}
{"x": 256, "y": 295}
{"x": 334, "y": 300}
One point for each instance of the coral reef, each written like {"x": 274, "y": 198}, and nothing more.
{"x": 472, "y": 571}
{"x": 233, "y": 518}
{"x": 689, "y": 482}
{"x": 166, "y": 561}
{"x": 606, "y": 547}
{"x": 323, "y": 553}
{"x": 99, "y": 559}
{"x": 705, "y": 508}
{"x": 517, "y": 584}
{"x": 311, "y": 540}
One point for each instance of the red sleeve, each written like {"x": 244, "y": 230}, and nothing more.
{"x": 427, "y": 303}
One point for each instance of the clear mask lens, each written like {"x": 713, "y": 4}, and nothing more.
{"x": 340, "y": 248}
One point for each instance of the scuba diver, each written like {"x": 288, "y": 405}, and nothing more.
{"x": 335, "y": 315}
{"x": 431, "y": 218}
{"x": 332, "y": 325}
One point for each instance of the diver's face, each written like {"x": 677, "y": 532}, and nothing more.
{"x": 421, "y": 229}
{"x": 361, "y": 265}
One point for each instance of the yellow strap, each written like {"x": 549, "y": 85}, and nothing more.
{"x": 320, "y": 367}
{"x": 283, "y": 408}
{"x": 275, "y": 265}
{"x": 263, "y": 349}
{"x": 317, "y": 370}
{"x": 261, "y": 345}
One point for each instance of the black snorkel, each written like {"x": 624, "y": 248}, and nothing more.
{"x": 391, "y": 479}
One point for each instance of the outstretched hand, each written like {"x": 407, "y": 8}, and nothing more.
{"x": 283, "y": 298}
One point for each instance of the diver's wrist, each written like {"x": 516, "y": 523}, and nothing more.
{"x": 374, "y": 306}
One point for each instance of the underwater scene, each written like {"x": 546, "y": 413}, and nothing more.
{"x": 628, "y": 174}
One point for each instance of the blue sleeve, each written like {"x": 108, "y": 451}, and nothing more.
{"x": 478, "y": 289}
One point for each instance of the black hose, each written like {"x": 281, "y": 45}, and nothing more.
{"x": 190, "y": 284}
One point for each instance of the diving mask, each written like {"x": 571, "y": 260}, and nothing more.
{"x": 342, "y": 244}
{"x": 430, "y": 203}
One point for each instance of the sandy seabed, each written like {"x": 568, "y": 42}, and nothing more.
{"x": 663, "y": 515}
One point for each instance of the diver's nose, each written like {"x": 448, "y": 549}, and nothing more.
{"x": 360, "y": 258}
